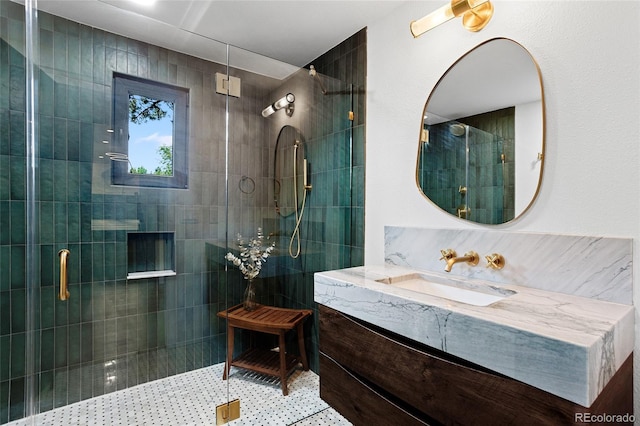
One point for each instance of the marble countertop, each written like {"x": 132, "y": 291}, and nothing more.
{"x": 567, "y": 345}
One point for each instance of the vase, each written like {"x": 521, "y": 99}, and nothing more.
{"x": 249, "y": 301}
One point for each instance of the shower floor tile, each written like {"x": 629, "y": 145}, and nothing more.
{"x": 191, "y": 399}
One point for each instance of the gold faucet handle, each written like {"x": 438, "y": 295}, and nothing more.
{"x": 495, "y": 261}
{"x": 448, "y": 254}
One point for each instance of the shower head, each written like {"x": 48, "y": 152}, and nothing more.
{"x": 314, "y": 73}
{"x": 457, "y": 129}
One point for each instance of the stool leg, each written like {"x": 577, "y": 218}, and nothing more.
{"x": 303, "y": 352}
{"x": 227, "y": 364}
{"x": 283, "y": 364}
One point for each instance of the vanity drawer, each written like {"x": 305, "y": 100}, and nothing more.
{"x": 447, "y": 389}
{"x": 358, "y": 402}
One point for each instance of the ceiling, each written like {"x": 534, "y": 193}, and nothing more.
{"x": 289, "y": 34}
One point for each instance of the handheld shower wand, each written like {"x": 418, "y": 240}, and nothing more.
{"x": 295, "y": 236}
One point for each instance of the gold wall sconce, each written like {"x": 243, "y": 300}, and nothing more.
{"x": 476, "y": 14}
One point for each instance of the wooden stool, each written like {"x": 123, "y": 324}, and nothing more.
{"x": 271, "y": 320}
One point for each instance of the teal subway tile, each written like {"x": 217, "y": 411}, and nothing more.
{"x": 48, "y": 296}
{"x": 60, "y": 180}
{"x": 74, "y": 390}
{"x": 61, "y": 341}
{"x": 61, "y": 384}
{"x": 61, "y": 222}
{"x": 17, "y": 135}
{"x": 73, "y": 140}
{"x": 86, "y": 52}
{"x": 86, "y": 351}
{"x": 151, "y": 328}
{"x": 18, "y": 354}
{"x": 59, "y": 46}
{"x": 4, "y": 401}
{"x": 73, "y": 49}
{"x": 46, "y": 136}
{"x": 18, "y": 309}
{"x": 109, "y": 261}
{"x": 86, "y": 292}
{"x": 86, "y": 383}
{"x": 5, "y": 131}
{"x": 18, "y": 266}
{"x": 86, "y": 262}
{"x": 18, "y": 176}
{"x": 46, "y": 180}
{"x": 75, "y": 346}
{"x": 122, "y": 325}
{"x": 98, "y": 301}
{"x": 47, "y": 228}
{"x": 46, "y": 105}
{"x": 45, "y": 396}
{"x": 73, "y": 262}
{"x": 110, "y": 300}
{"x": 73, "y": 100}
{"x": 59, "y": 136}
{"x": 5, "y": 222}
{"x": 5, "y": 265}
{"x": 85, "y": 181}
{"x": 16, "y": 399}
{"x": 60, "y": 97}
{"x": 74, "y": 304}
{"x": 73, "y": 218}
{"x": 5, "y": 309}
{"x": 85, "y": 130}
{"x": 61, "y": 313}
{"x": 17, "y": 88}
{"x": 86, "y": 127}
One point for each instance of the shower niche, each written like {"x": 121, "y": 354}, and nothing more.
{"x": 150, "y": 254}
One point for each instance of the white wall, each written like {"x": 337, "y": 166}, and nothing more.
{"x": 528, "y": 134}
{"x": 589, "y": 57}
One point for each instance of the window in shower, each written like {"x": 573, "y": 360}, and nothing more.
{"x": 149, "y": 144}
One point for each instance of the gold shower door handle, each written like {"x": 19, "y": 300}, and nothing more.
{"x": 64, "y": 293}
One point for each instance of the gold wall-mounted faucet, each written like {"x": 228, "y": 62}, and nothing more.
{"x": 471, "y": 257}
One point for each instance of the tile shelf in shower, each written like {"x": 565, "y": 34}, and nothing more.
{"x": 150, "y": 255}
{"x": 150, "y": 274}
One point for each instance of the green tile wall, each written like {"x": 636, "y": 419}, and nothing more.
{"x": 332, "y": 229}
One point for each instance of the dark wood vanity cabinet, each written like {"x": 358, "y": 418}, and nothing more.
{"x": 373, "y": 377}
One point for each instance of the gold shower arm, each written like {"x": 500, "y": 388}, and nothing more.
{"x": 64, "y": 293}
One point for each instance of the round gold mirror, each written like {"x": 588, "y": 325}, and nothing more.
{"x": 481, "y": 145}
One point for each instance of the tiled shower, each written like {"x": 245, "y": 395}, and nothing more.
{"x": 114, "y": 332}
{"x": 480, "y": 161}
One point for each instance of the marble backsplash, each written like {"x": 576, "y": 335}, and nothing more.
{"x": 594, "y": 267}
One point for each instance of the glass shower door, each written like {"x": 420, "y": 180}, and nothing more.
{"x": 18, "y": 270}
{"x": 141, "y": 301}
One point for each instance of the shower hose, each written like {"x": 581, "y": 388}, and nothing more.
{"x": 295, "y": 236}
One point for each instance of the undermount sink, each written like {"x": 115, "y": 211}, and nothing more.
{"x": 471, "y": 293}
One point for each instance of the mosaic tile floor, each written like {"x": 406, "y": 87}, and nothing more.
{"x": 191, "y": 398}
